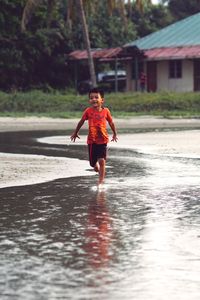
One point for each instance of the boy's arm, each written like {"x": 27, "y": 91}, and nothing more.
{"x": 78, "y": 127}
{"x": 112, "y": 126}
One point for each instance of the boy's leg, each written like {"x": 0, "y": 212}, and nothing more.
{"x": 96, "y": 167}
{"x": 102, "y": 153}
{"x": 93, "y": 157}
{"x": 97, "y": 157}
{"x": 102, "y": 169}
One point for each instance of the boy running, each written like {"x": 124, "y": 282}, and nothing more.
{"x": 97, "y": 139}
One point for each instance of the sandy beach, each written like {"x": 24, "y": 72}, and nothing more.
{"x": 43, "y": 123}
{"x": 19, "y": 169}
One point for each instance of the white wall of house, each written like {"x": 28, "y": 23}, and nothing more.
{"x": 164, "y": 83}
{"x": 184, "y": 84}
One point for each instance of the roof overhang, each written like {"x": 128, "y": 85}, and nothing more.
{"x": 171, "y": 53}
{"x": 106, "y": 55}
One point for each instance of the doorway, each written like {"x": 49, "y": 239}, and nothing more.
{"x": 151, "y": 76}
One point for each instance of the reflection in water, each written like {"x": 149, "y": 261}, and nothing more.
{"x": 98, "y": 232}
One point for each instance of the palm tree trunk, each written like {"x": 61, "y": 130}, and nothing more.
{"x": 87, "y": 43}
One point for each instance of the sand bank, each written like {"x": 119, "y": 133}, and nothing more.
{"x": 19, "y": 169}
{"x": 185, "y": 143}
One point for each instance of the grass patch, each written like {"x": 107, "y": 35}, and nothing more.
{"x": 61, "y": 105}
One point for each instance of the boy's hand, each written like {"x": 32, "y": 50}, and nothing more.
{"x": 74, "y": 136}
{"x": 114, "y": 138}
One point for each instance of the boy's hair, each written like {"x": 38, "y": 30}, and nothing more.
{"x": 96, "y": 90}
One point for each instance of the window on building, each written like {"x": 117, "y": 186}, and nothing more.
{"x": 175, "y": 69}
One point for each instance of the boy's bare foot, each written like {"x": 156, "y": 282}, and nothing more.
{"x": 100, "y": 185}
{"x": 101, "y": 182}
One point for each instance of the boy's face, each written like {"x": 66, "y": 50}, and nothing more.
{"x": 96, "y": 100}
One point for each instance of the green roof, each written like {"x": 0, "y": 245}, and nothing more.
{"x": 182, "y": 33}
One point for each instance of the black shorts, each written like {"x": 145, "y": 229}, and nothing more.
{"x": 95, "y": 152}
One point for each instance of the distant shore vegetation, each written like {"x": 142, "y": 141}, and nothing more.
{"x": 71, "y": 105}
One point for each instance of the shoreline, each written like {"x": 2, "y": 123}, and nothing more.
{"x": 139, "y": 122}
{"x": 23, "y": 169}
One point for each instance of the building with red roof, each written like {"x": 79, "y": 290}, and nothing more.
{"x": 170, "y": 58}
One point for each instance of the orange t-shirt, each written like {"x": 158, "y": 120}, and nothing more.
{"x": 97, "y": 125}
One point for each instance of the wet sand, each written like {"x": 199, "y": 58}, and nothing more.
{"x": 18, "y": 169}
{"x": 185, "y": 143}
{"x": 43, "y": 123}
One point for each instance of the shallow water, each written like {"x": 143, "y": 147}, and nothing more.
{"x": 137, "y": 238}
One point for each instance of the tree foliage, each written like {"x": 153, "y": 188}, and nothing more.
{"x": 105, "y": 30}
{"x": 151, "y": 19}
{"x": 35, "y": 58}
{"x": 181, "y": 9}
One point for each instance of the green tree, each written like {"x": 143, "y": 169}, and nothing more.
{"x": 32, "y": 4}
{"x": 9, "y": 17}
{"x": 181, "y": 9}
{"x": 151, "y": 19}
{"x": 106, "y": 31}
{"x": 35, "y": 58}
{"x": 51, "y": 9}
